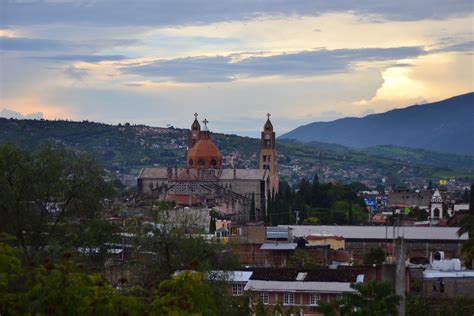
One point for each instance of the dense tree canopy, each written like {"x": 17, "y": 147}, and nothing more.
{"x": 46, "y": 191}
{"x": 315, "y": 202}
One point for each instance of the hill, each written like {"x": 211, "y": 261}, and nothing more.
{"x": 124, "y": 149}
{"x": 444, "y": 126}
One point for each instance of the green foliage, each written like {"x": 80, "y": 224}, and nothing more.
{"x": 59, "y": 289}
{"x": 311, "y": 221}
{"x": 302, "y": 259}
{"x": 374, "y": 256}
{"x": 419, "y": 214}
{"x": 127, "y": 148}
{"x": 420, "y": 306}
{"x": 371, "y": 299}
{"x": 467, "y": 226}
{"x": 326, "y": 203}
{"x": 44, "y": 191}
{"x": 184, "y": 294}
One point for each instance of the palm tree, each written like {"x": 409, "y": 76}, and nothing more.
{"x": 371, "y": 299}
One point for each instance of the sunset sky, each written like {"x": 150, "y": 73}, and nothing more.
{"x": 158, "y": 62}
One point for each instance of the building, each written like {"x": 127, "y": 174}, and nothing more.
{"x": 407, "y": 198}
{"x": 436, "y": 206}
{"x": 419, "y": 241}
{"x": 300, "y": 291}
{"x": 205, "y": 182}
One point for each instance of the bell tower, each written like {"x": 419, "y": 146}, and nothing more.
{"x": 268, "y": 154}
{"x": 194, "y": 134}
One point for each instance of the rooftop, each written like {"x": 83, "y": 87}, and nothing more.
{"x": 381, "y": 232}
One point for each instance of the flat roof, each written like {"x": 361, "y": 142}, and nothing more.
{"x": 278, "y": 246}
{"x": 298, "y": 286}
{"x": 380, "y": 232}
{"x": 230, "y": 276}
{"x": 434, "y": 274}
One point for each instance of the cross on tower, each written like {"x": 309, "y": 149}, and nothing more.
{"x": 195, "y": 116}
{"x": 268, "y": 115}
{"x": 205, "y": 121}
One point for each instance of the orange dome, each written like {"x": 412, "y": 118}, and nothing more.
{"x": 204, "y": 154}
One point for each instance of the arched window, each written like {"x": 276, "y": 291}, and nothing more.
{"x": 201, "y": 162}
{"x": 213, "y": 162}
{"x": 191, "y": 162}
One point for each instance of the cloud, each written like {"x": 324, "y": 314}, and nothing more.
{"x": 306, "y": 63}
{"x": 329, "y": 116}
{"x": 170, "y": 12}
{"x": 31, "y": 44}
{"x": 75, "y": 73}
{"x": 17, "y": 115}
{"x": 84, "y": 58}
{"x": 459, "y": 47}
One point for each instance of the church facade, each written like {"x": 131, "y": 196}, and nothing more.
{"x": 204, "y": 181}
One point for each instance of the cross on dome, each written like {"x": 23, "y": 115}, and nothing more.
{"x": 195, "y": 116}
{"x": 268, "y": 115}
{"x": 205, "y": 121}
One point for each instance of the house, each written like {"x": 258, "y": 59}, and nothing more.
{"x": 324, "y": 238}
{"x": 420, "y": 241}
{"x": 297, "y": 291}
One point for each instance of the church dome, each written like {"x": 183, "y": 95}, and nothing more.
{"x": 204, "y": 154}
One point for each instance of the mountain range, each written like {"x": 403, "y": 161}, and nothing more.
{"x": 444, "y": 126}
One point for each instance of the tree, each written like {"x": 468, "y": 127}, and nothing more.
{"x": 371, "y": 299}
{"x": 302, "y": 259}
{"x": 59, "y": 289}
{"x": 184, "y": 294}
{"x": 467, "y": 226}
{"x": 43, "y": 192}
{"x": 374, "y": 256}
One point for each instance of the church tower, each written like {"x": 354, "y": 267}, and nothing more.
{"x": 436, "y": 207}
{"x": 194, "y": 134}
{"x": 268, "y": 154}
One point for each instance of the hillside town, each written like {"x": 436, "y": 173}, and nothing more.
{"x": 236, "y": 158}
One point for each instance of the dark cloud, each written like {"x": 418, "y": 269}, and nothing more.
{"x": 171, "y": 12}
{"x": 306, "y": 63}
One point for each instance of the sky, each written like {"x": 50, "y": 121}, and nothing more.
{"x": 234, "y": 61}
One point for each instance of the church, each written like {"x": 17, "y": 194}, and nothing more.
{"x": 205, "y": 183}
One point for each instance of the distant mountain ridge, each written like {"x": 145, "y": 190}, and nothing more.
{"x": 444, "y": 126}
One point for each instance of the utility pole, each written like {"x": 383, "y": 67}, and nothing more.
{"x": 400, "y": 273}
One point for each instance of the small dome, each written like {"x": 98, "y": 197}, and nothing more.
{"x": 204, "y": 154}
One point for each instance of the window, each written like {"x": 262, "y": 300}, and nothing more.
{"x": 237, "y": 289}
{"x": 314, "y": 299}
{"x": 289, "y": 299}
{"x": 264, "y": 298}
